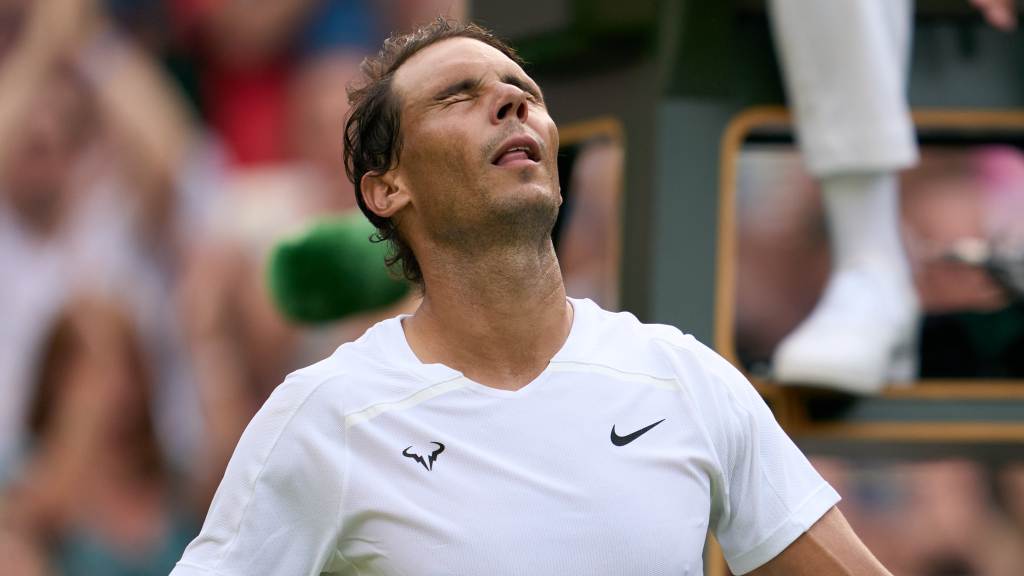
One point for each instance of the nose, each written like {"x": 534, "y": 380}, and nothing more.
{"x": 510, "y": 101}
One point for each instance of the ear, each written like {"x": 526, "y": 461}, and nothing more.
{"x": 383, "y": 194}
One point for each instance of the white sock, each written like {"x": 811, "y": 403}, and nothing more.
{"x": 863, "y": 212}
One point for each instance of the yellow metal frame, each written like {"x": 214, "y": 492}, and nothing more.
{"x": 577, "y": 132}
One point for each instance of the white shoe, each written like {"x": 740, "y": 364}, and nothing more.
{"x": 860, "y": 335}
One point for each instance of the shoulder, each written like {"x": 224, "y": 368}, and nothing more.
{"x": 367, "y": 371}
{"x": 322, "y": 382}
{"x": 623, "y": 341}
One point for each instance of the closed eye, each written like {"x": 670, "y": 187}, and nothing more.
{"x": 462, "y": 88}
{"x": 455, "y": 99}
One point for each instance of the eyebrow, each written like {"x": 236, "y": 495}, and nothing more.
{"x": 473, "y": 84}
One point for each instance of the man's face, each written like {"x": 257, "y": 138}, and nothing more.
{"x": 479, "y": 148}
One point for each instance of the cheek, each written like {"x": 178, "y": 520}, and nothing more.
{"x": 552, "y": 130}
{"x": 543, "y": 124}
{"x": 439, "y": 158}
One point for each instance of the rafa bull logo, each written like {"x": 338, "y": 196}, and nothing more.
{"x": 428, "y": 462}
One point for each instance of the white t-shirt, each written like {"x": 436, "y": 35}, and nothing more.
{"x": 617, "y": 459}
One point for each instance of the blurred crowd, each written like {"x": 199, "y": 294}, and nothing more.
{"x": 923, "y": 516}
{"x": 150, "y": 152}
{"x": 936, "y": 517}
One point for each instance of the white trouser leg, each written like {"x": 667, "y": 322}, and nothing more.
{"x": 844, "y": 63}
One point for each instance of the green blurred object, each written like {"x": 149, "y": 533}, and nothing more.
{"x": 332, "y": 270}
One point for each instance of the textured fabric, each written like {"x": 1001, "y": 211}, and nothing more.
{"x": 844, "y": 63}
{"x": 342, "y": 471}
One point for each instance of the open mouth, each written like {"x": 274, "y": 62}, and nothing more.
{"x": 516, "y": 151}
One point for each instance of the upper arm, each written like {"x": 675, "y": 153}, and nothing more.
{"x": 277, "y": 510}
{"x": 828, "y": 547}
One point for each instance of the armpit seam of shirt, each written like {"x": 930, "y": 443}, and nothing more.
{"x": 708, "y": 437}
{"x": 690, "y": 406}
{"x": 753, "y": 419}
{"x": 697, "y": 417}
{"x": 263, "y": 466}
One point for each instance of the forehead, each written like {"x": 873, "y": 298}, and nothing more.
{"x": 448, "y": 60}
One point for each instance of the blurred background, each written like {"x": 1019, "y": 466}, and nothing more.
{"x": 153, "y": 151}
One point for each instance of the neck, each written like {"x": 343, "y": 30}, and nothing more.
{"x": 498, "y": 318}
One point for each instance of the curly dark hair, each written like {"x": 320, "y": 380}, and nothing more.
{"x": 373, "y": 130}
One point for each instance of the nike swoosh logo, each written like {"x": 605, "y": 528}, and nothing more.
{"x": 623, "y": 440}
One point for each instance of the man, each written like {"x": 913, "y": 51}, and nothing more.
{"x": 503, "y": 429}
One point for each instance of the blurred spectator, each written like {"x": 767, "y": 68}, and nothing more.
{"x": 47, "y": 230}
{"x": 22, "y": 557}
{"x": 263, "y": 202}
{"x": 1011, "y": 489}
{"x": 104, "y": 186}
{"x": 947, "y": 200}
{"x": 250, "y": 52}
{"x": 929, "y": 518}
{"x": 245, "y": 59}
{"x": 317, "y": 109}
{"x": 974, "y": 327}
{"x": 97, "y": 493}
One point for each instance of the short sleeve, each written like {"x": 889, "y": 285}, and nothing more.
{"x": 765, "y": 493}
{"x": 276, "y": 512}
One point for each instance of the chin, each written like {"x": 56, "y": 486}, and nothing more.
{"x": 532, "y": 212}
{"x": 502, "y": 213}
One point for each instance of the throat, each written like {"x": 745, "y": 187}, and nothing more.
{"x": 501, "y": 345}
